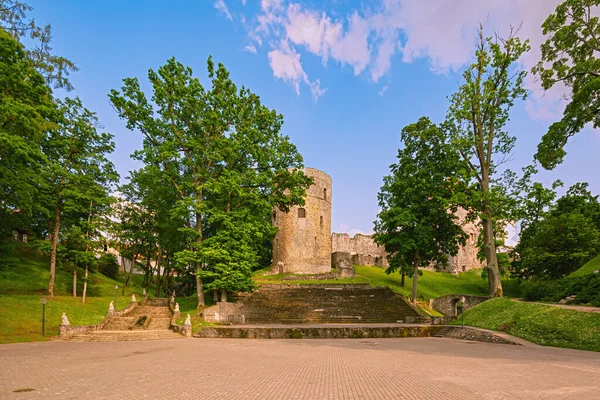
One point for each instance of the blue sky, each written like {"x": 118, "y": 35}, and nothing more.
{"x": 347, "y": 76}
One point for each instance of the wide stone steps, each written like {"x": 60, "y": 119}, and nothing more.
{"x": 159, "y": 323}
{"x": 114, "y": 336}
{"x": 323, "y": 304}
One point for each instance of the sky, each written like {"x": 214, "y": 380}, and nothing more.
{"x": 346, "y": 75}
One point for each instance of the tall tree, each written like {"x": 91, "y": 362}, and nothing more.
{"x": 570, "y": 57}
{"x": 78, "y": 173}
{"x": 27, "y": 113}
{"x": 565, "y": 237}
{"x": 476, "y": 121}
{"x": 15, "y": 20}
{"x": 417, "y": 223}
{"x": 192, "y": 134}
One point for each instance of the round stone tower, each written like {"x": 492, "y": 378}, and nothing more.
{"x": 303, "y": 243}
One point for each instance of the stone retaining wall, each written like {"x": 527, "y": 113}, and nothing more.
{"x": 447, "y": 304}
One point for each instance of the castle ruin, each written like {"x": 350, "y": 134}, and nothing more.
{"x": 304, "y": 243}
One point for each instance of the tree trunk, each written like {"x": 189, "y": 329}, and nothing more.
{"x": 85, "y": 284}
{"x": 494, "y": 283}
{"x": 215, "y": 296}
{"x": 158, "y": 264}
{"x": 199, "y": 286}
{"x": 415, "y": 279}
{"x": 224, "y": 295}
{"x": 75, "y": 278}
{"x": 54, "y": 247}
{"x": 403, "y": 278}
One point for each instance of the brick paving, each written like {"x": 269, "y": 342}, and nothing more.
{"x": 409, "y": 368}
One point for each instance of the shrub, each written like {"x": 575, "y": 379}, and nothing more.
{"x": 586, "y": 289}
{"x": 108, "y": 265}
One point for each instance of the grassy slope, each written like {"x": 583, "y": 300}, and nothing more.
{"x": 430, "y": 284}
{"x": 545, "y": 325}
{"x": 23, "y": 284}
{"x": 588, "y": 268}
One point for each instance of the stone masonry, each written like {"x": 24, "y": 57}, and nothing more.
{"x": 303, "y": 243}
{"x": 363, "y": 249}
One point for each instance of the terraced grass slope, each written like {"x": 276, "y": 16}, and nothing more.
{"x": 544, "y": 325}
{"x": 431, "y": 284}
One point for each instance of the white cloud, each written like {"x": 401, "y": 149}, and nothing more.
{"x": 440, "y": 31}
{"x": 286, "y": 65}
{"x": 315, "y": 90}
{"x": 244, "y": 2}
{"x": 250, "y": 49}
{"x": 222, "y": 7}
{"x": 382, "y": 91}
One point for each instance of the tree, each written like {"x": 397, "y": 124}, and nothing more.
{"x": 27, "y": 113}
{"x": 55, "y": 69}
{"x": 78, "y": 172}
{"x": 570, "y": 57}
{"x": 566, "y": 237}
{"x": 476, "y": 121}
{"x": 417, "y": 224}
{"x": 212, "y": 145}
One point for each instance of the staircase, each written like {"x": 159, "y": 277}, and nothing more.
{"x": 119, "y": 336}
{"x": 442, "y": 332}
{"x": 150, "y": 319}
{"x": 293, "y": 304}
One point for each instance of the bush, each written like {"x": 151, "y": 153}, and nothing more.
{"x": 586, "y": 289}
{"x": 108, "y": 265}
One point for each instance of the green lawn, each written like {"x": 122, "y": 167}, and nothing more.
{"x": 545, "y": 325}
{"x": 24, "y": 282}
{"x": 431, "y": 284}
{"x": 588, "y": 268}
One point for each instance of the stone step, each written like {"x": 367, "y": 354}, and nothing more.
{"x": 159, "y": 323}
{"x": 325, "y": 304}
{"x": 113, "y": 336}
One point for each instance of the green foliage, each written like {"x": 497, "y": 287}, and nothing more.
{"x": 476, "y": 122}
{"x": 566, "y": 237}
{"x": 586, "y": 289}
{"x": 544, "y": 325}
{"x": 221, "y": 150}
{"x": 26, "y": 114}
{"x": 570, "y": 58}
{"x": 55, "y": 69}
{"x": 588, "y": 268}
{"x": 417, "y": 223}
{"x": 108, "y": 266}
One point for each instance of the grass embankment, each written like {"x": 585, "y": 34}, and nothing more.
{"x": 544, "y": 325}
{"x": 430, "y": 284}
{"x": 24, "y": 282}
{"x": 588, "y": 268}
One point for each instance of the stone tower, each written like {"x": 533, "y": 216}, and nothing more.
{"x": 303, "y": 243}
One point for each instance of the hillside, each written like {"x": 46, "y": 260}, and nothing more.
{"x": 24, "y": 282}
{"x": 431, "y": 284}
{"x": 541, "y": 324}
{"x": 588, "y": 268}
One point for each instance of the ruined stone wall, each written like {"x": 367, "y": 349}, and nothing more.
{"x": 303, "y": 243}
{"x": 363, "y": 249}
{"x": 466, "y": 258}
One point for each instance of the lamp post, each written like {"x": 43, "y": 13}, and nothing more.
{"x": 116, "y": 288}
{"x": 462, "y": 310}
{"x": 43, "y": 316}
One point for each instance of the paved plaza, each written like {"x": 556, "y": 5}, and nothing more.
{"x": 410, "y": 368}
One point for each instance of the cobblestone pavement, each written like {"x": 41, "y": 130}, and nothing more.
{"x": 410, "y": 368}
